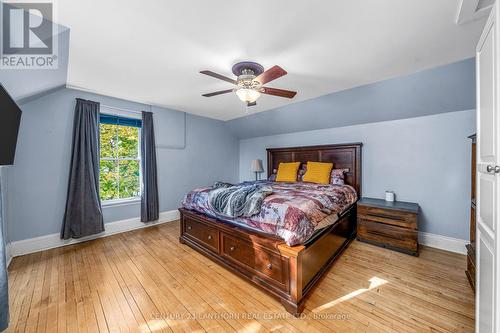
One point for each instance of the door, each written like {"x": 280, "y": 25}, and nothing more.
{"x": 488, "y": 169}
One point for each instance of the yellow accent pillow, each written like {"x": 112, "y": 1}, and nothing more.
{"x": 287, "y": 172}
{"x": 318, "y": 172}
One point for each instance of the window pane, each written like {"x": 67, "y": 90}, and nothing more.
{"x": 109, "y": 180}
{"x": 109, "y": 140}
{"x": 128, "y": 145}
{"x": 129, "y": 179}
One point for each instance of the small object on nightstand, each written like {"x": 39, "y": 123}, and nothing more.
{"x": 389, "y": 196}
{"x": 393, "y": 225}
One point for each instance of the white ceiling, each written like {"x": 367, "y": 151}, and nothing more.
{"x": 152, "y": 50}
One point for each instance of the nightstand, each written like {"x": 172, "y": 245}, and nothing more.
{"x": 393, "y": 225}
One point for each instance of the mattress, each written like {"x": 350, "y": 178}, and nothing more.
{"x": 293, "y": 212}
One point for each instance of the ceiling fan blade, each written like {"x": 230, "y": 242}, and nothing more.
{"x": 251, "y": 104}
{"x": 218, "y": 76}
{"x": 218, "y": 93}
{"x": 271, "y": 74}
{"x": 279, "y": 92}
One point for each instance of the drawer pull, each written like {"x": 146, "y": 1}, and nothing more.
{"x": 384, "y": 216}
{"x": 382, "y": 234}
{"x": 189, "y": 227}
{"x": 269, "y": 266}
{"x": 209, "y": 237}
{"x": 231, "y": 248}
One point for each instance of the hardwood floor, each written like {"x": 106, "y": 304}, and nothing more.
{"x": 145, "y": 281}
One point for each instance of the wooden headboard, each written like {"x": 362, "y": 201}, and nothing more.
{"x": 342, "y": 156}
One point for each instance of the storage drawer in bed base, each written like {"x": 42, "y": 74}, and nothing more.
{"x": 287, "y": 273}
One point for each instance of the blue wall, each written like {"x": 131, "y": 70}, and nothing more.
{"x": 36, "y": 186}
{"x": 415, "y": 141}
{"x": 424, "y": 160}
{"x": 410, "y": 127}
{"x": 438, "y": 90}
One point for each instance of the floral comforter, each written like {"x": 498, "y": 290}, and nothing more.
{"x": 291, "y": 212}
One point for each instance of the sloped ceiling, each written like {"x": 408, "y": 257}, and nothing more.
{"x": 151, "y": 51}
{"x": 446, "y": 88}
{"x": 28, "y": 84}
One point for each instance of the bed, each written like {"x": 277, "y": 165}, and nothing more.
{"x": 288, "y": 273}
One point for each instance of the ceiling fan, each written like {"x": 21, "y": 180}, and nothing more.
{"x": 250, "y": 81}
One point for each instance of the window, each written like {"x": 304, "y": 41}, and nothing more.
{"x": 120, "y": 161}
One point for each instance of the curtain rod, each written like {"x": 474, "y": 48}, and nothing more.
{"x": 120, "y": 109}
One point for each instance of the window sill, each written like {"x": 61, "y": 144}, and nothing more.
{"x": 120, "y": 202}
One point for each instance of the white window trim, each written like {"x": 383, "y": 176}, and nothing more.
{"x": 121, "y": 202}
{"x": 113, "y": 111}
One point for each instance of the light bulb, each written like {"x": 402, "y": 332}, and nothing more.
{"x": 248, "y": 95}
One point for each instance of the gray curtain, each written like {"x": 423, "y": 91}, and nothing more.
{"x": 4, "y": 286}
{"x": 83, "y": 215}
{"x": 150, "y": 210}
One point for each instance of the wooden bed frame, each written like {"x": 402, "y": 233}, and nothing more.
{"x": 287, "y": 273}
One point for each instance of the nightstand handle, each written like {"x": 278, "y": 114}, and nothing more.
{"x": 382, "y": 234}
{"x": 392, "y": 217}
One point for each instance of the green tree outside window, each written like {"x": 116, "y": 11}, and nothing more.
{"x": 120, "y": 162}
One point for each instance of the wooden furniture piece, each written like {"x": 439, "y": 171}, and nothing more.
{"x": 287, "y": 273}
{"x": 393, "y": 225}
{"x": 471, "y": 247}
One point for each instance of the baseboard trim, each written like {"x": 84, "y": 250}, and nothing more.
{"x": 442, "y": 242}
{"x": 51, "y": 241}
{"x": 8, "y": 254}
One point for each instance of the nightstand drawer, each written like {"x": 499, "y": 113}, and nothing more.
{"x": 392, "y": 217}
{"x": 388, "y": 235}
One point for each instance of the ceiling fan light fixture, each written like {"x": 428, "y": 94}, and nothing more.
{"x": 248, "y": 95}
{"x": 250, "y": 81}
